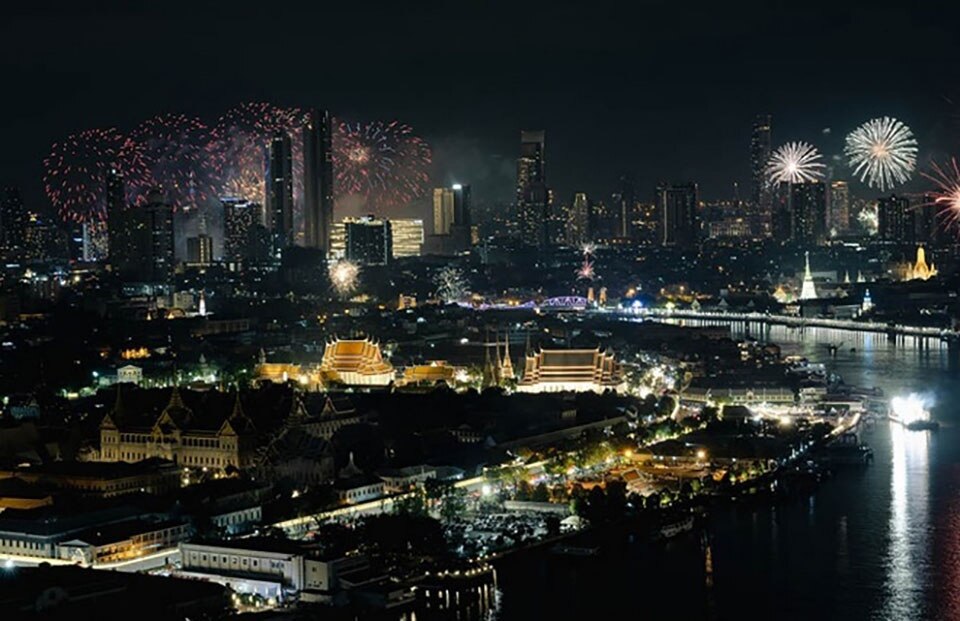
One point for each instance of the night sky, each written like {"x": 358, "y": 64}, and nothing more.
{"x": 660, "y": 90}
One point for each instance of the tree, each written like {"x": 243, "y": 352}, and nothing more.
{"x": 454, "y": 504}
{"x": 540, "y": 493}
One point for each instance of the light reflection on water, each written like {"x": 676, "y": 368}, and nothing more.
{"x": 908, "y": 552}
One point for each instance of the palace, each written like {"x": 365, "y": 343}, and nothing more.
{"x": 574, "y": 370}
{"x": 355, "y": 362}
{"x": 177, "y": 434}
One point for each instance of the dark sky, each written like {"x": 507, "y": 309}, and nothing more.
{"x": 662, "y": 90}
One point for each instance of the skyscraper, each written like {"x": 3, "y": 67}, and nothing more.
{"x": 241, "y": 221}
{"x": 759, "y": 156}
{"x": 533, "y": 196}
{"x": 13, "y": 221}
{"x": 160, "y": 255}
{"x": 626, "y": 203}
{"x": 838, "y": 218}
{"x": 895, "y": 220}
{"x": 407, "y": 237}
{"x": 442, "y": 210}
{"x": 280, "y": 192}
{"x": 200, "y": 249}
{"x": 318, "y": 180}
{"x": 578, "y": 224}
{"x": 369, "y": 240}
{"x": 679, "y": 224}
{"x": 808, "y": 209}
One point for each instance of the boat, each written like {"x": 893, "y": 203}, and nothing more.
{"x": 672, "y": 529}
{"x": 573, "y": 550}
{"x": 912, "y": 413}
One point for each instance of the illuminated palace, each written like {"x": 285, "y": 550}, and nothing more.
{"x": 177, "y": 434}
{"x": 355, "y": 362}
{"x": 574, "y": 370}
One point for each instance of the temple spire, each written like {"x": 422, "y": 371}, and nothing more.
{"x": 808, "y": 291}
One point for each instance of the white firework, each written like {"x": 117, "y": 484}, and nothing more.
{"x": 588, "y": 248}
{"x": 344, "y": 276}
{"x": 869, "y": 219}
{"x": 795, "y": 162}
{"x": 882, "y": 152}
{"x": 451, "y": 285}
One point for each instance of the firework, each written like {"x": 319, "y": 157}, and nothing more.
{"x": 345, "y": 277}
{"x": 179, "y": 160}
{"x": 586, "y": 271}
{"x": 794, "y": 162}
{"x": 882, "y": 152}
{"x": 384, "y": 163}
{"x": 588, "y": 249}
{"x": 451, "y": 284}
{"x": 76, "y": 168}
{"x": 947, "y": 196}
{"x": 869, "y": 219}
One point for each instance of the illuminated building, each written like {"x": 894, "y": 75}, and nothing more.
{"x": 867, "y": 304}
{"x": 13, "y": 219}
{"x": 895, "y": 220}
{"x": 200, "y": 249}
{"x": 241, "y": 220}
{"x": 368, "y": 240}
{"x": 442, "y": 210}
{"x": 179, "y": 435}
{"x": 578, "y": 222}
{"x": 407, "y": 236}
{"x": 759, "y": 157}
{"x": 280, "y": 191}
{"x": 355, "y": 362}
{"x": 574, "y": 370}
{"x": 919, "y": 269}
{"x": 452, "y": 221}
{"x": 432, "y": 374}
{"x": 318, "y": 180}
{"x": 532, "y": 194}
{"x": 626, "y": 203}
{"x": 95, "y": 242}
{"x": 679, "y": 225}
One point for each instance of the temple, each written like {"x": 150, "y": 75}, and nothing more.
{"x": 573, "y": 370}
{"x": 355, "y": 362}
{"x": 919, "y": 270}
{"x": 808, "y": 291}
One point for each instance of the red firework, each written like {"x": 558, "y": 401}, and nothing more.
{"x": 947, "y": 196}
{"x": 384, "y": 163}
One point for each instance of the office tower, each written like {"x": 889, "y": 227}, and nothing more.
{"x": 759, "y": 156}
{"x": 160, "y": 256}
{"x": 318, "y": 180}
{"x": 461, "y": 229}
{"x": 280, "y": 192}
{"x": 125, "y": 232}
{"x": 41, "y": 240}
{"x": 839, "y": 206}
{"x": 578, "y": 221}
{"x": 369, "y": 240}
{"x": 407, "y": 237}
{"x": 808, "y": 212}
{"x": 625, "y": 200}
{"x": 895, "y": 220}
{"x": 928, "y": 225}
{"x": 242, "y": 222}
{"x": 200, "y": 249}
{"x": 679, "y": 225}
{"x": 95, "y": 241}
{"x": 442, "y": 210}
{"x": 13, "y": 221}
{"x": 533, "y": 196}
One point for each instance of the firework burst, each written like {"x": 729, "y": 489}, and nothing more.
{"x": 451, "y": 284}
{"x": 588, "y": 249}
{"x": 344, "y": 277}
{"x": 795, "y": 162}
{"x": 179, "y": 160}
{"x": 586, "y": 271}
{"x": 384, "y": 163}
{"x": 75, "y": 172}
{"x": 882, "y": 152}
{"x": 947, "y": 196}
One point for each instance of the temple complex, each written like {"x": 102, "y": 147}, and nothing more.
{"x": 574, "y": 370}
{"x": 355, "y": 362}
{"x": 919, "y": 269}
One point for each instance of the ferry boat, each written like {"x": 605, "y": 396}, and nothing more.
{"x": 912, "y": 413}
{"x": 672, "y": 529}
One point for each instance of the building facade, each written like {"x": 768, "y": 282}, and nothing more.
{"x": 571, "y": 370}
{"x": 318, "y": 180}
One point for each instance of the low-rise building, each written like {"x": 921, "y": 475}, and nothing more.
{"x": 355, "y": 362}
{"x": 573, "y": 370}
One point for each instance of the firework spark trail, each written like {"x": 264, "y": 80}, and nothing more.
{"x": 178, "y": 159}
{"x": 75, "y": 172}
{"x": 344, "y": 277}
{"x": 451, "y": 284}
{"x": 586, "y": 271}
{"x": 947, "y": 196}
{"x": 795, "y": 162}
{"x": 384, "y": 163}
{"x": 882, "y": 152}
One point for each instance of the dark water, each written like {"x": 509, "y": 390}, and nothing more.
{"x": 877, "y": 543}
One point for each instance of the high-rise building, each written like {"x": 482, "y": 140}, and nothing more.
{"x": 95, "y": 241}
{"x": 369, "y": 240}
{"x": 161, "y": 258}
{"x": 533, "y": 196}
{"x": 808, "y": 209}
{"x": 242, "y": 221}
{"x": 442, "y": 210}
{"x": 41, "y": 240}
{"x": 318, "y": 180}
{"x": 679, "y": 224}
{"x": 759, "y": 156}
{"x": 928, "y": 224}
{"x": 280, "y": 191}
{"x": 140, "y": 239}
{"x": 895, "y": 220}
{"x": 407, "y": 237}
{"x": 626, "y": 204}
{"x": 13, "y": 221}
{"x": 200, "y": 249}
{"x": 578, "y": 223}
{"x": 838, "y": 218}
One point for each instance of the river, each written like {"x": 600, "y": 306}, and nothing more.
{"x": 880, "y": 542}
